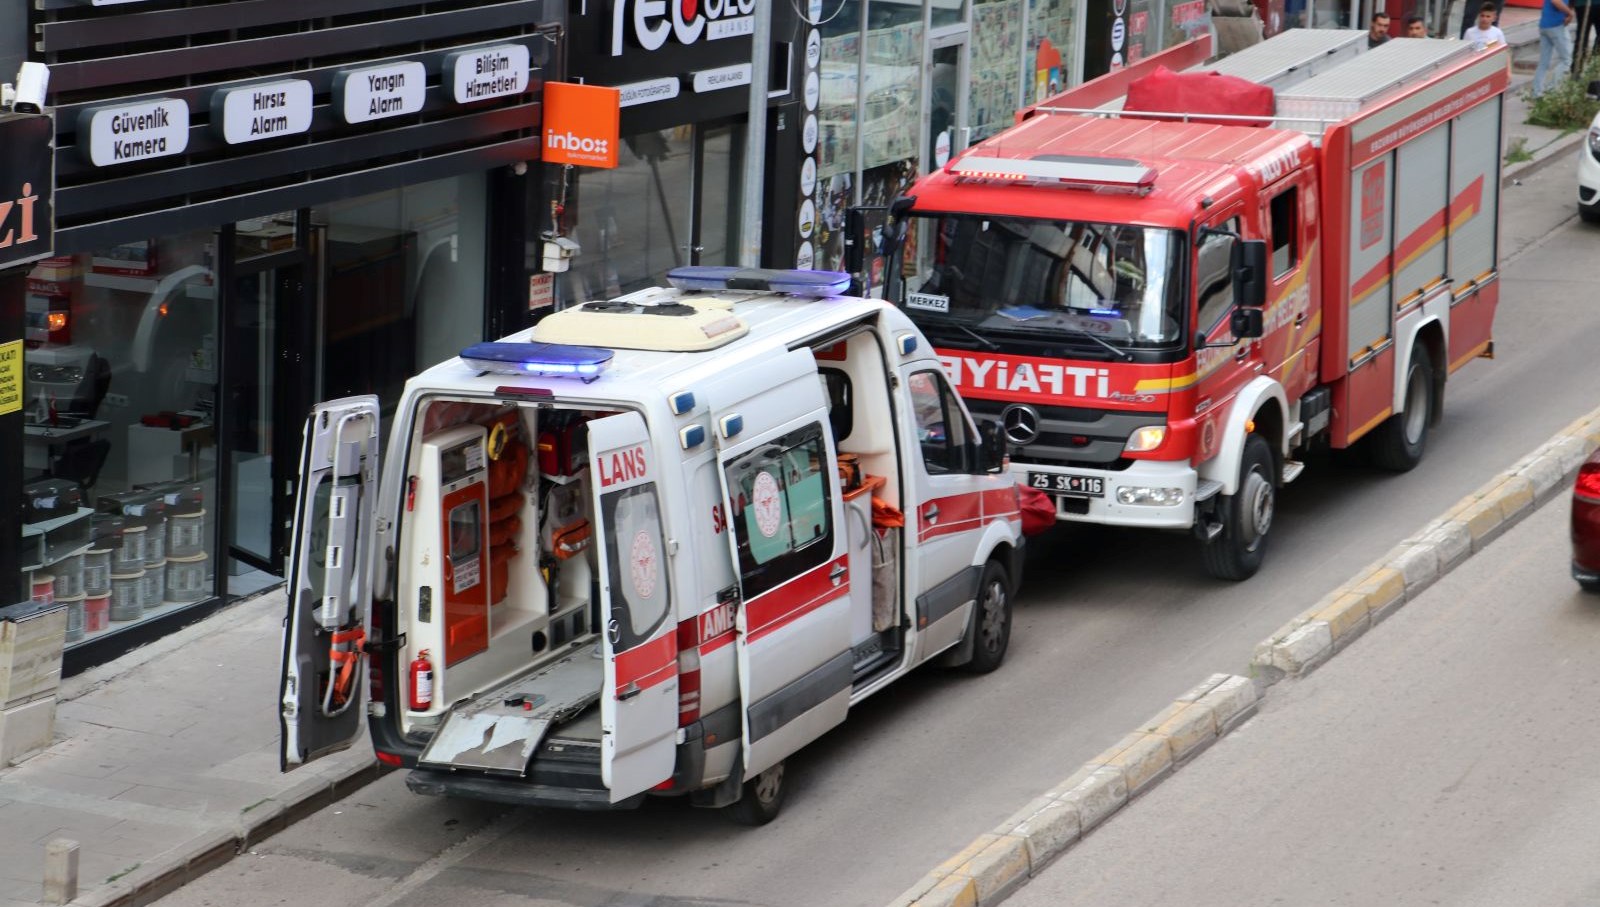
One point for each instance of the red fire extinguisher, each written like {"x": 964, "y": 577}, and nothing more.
{"x": 421, "y": 682}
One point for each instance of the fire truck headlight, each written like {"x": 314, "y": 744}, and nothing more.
{"x": 1147, "y": 438}
{"x": 1155, "y": 497}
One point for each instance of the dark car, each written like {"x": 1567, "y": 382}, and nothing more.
{"x": 1586, "y": 524}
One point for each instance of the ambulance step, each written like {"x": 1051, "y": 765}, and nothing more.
{"x": 1206, "y": 490}
{"x": 498, "y": 730}
{"x": 1292, "y": 470}
{"x": 874, "y": 652}
{"x": 1297, "y": 435}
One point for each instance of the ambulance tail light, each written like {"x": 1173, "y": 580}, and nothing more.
{"x": 688, "y": 672}
{"x": 551, "y": 360}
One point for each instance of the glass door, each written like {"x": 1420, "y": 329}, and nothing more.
{"x": 718, "y": 199}
{"x": 947, "y": 102}
{"x": 267, "y": 374}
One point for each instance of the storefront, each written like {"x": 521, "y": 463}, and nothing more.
{"x": 258, "y": 205}
{"x": 675, "y": 196}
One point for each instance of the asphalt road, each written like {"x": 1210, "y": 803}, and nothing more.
{"x": 1110, "y": 627}
{"x": 1448, "y": 757}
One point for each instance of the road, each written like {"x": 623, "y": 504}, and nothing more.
{"x": 1446, "y": 758}
{"x": 1109, "y": 628}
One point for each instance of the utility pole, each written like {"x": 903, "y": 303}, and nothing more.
{"x": 755, "y": 141}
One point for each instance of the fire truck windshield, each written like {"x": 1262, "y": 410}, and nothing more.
{"x": 1050, "y": 281}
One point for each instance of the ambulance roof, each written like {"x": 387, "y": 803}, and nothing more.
{"x": 775, "y": 322}
{"x": 1191, "y": 160}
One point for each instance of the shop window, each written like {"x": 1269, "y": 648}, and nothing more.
{"x": 947, "y": 441}
{"x": 119, "y": 453}
{"x": 632, "y": 222}
{"x": 781, "y": 509}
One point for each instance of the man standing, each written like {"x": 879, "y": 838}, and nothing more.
{"x": 1485, "y": 33}
{"x": 1415, "y": 27}
{"x": 1553, "y": 39}
{"x": 1379, "y": 32}
{"x": 1469, "y": 13}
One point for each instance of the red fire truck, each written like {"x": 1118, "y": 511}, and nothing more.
{"x": 1170, "y": 282}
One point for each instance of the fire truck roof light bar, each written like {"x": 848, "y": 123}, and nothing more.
{"x": 1181, "y": 115}
{"x": 1088, "y": 172}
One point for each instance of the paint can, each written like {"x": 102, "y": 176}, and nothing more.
{"x": 155, "y": 585}
{"x": 97, "y": 571}
{"x": 127, "y": 595}
{"x": 42, "y": 588}
{"x": 96, "y": 612}
{"x": 186, "y": 534}
{"x": 186, "y": 578}
{"x": 129, "y": 555}
{"x": 74, "y": 605}
{"x": 69, "y": 576}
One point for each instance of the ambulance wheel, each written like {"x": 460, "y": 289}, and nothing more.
{"x": 1399, "y": 442}
{"x": 991, "y": 620}
{"x": 1236, "y": 552}
{"x": 760, "y": 799}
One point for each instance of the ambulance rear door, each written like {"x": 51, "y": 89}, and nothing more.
{"x": 785, "y": 519}
{"x": 330, "y": 581}
{"x": 639, "y": 699}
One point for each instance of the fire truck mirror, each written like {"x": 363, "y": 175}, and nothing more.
{"x": 1250, "y": 273}
{"x": 1246, "y": 323}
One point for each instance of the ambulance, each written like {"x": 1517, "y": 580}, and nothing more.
{"x": 1173, "y": 282}
{"x": 652, "y": 545}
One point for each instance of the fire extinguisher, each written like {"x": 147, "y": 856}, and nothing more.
{"x": 421, "y": 682}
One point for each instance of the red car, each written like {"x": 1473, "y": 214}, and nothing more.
{"x": 1586, "y": 525}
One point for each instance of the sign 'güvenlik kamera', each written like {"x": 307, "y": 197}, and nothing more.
{"x": 27, "y": 179}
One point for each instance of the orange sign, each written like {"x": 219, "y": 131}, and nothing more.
{"x": 582, "y": 124}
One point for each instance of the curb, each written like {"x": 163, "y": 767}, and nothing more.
{"x": 1001, "y": 861}
{"x": 211, "y": 849}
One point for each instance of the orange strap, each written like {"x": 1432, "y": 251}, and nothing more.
{"x": 347, "y": 659}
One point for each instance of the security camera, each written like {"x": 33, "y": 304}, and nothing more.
{"x": 33, "y": 81}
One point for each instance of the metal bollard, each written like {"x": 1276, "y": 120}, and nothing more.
{"x": 60, "y": 871}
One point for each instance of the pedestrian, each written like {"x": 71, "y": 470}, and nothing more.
{"x": 1378, "y": 33}
{"x": 1415, "y": 27}
{"x": 1469, "y": 14}
{"x": 1586, "y": 13}
{"x": 1553, "y": 40}
{"x": 1485, "y": 33}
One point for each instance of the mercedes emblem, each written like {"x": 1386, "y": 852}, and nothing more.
{"x": 1020, "y": 424}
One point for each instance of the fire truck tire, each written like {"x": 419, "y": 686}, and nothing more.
{"x": 991, "y": 620}
{"x": 1400, "y": 441}
{"x": 760, "y": 799}
{"x": 1236, "y": 552}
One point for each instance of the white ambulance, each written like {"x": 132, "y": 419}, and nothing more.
{"x": 652, "y": 545}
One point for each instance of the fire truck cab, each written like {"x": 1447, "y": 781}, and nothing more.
{"x": 1167, "y": 299}
{"x": 654, "y": 544}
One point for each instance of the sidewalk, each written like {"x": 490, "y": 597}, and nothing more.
{"x": 166, "y": 765}
{"x": 166, "y": 761}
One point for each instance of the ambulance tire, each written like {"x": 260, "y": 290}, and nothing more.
{"x": 1236, "y": 553}
{"x": 760, "y": 798}
{"x": 1398, "y": 444}
{"x": 991, "y": 620}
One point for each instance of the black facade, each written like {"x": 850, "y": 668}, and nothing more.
{"x": 259, "y": 204}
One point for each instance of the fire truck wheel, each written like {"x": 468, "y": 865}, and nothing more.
{"x": 760, "y": 799}
{"x": 1236, "y": 553}
{"x": 991, "y": 620}
{"x": 1399, "y": 442}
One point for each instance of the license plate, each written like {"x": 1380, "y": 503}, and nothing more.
{"x": 1078, "y": 486}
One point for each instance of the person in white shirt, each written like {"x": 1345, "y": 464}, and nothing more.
{"x": 1485, "y": 33}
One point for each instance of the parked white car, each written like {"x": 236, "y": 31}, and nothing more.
{"x": 1589, "y": 168}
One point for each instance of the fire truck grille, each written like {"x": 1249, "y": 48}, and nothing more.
{"x": 1073, "y": 436}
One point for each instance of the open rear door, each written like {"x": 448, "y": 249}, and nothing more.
{"x": 330, "y": 581}
{"x": 639, "y": 701}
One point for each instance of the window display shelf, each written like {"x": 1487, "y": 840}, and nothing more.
{"x": 145, "y": 285}
{"x": 50, "y": 541}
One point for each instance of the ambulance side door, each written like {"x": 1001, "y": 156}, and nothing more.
{"x": 330, "y": 581}
{"x": 639, "y": 697}
{"x": 785, "y": 525}
{"x": 944, "y": 510}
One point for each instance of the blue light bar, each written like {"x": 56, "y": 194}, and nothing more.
{"x": 556, "y": 360}
{"x": 1105, "y": 313}
{"x": 715, "y": 278}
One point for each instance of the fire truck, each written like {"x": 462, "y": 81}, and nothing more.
{"x": 651, "y": 546}
{"x": 1171, "y": 282}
